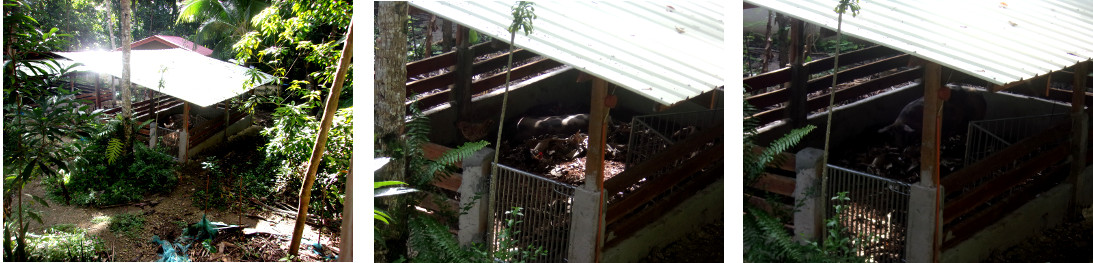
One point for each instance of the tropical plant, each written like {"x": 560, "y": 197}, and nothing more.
{"x": 221, "y": 23}
{"x": 65, "y": 242}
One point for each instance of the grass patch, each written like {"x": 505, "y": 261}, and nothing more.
{"x": 65, "y": 242}
{"x": 127, "y": 224}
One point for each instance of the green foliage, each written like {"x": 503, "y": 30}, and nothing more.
{"x": 96, "y": 181}
{"x": 220, "y": 23}
{"x": 765, "y": 239}
{"x": 523, "y": 13}
{"x": 845, "y": 4}
{"x": 127, "y": 224}
{"x": 65, "y": 242}
{"x": 113, "y": 150}
{"x": 299, "y": 40}
{"x": 433, "y": 243}
{"x": 842, "y": 44}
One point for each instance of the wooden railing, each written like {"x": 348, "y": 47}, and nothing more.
{"x": 212, "y": 127}
{"x": 965, "y": 198}
{"x": 448, "y": 61}
{"x": 624, "y": 218}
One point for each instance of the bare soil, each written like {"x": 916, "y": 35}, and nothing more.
{"x": 163, "y": 215}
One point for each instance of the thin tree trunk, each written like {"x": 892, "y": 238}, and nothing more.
{"x": 390, "y": 109}
{"x": 767, "y": 54}
{"x": 110, "y": 24}
{"x": 126, "y": 105}
{"x": 447, "y": 32}
{"x": 320, "y": 142}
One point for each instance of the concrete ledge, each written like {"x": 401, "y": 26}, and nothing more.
{"x": 808, "y": 218}
{"x": 475, "y": 183}
{"x": 1042, "y": 213}
{"x": 705, "y": 207}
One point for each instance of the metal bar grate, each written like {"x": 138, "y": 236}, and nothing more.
{"x": 876, "y": 212}
{"x": 544, "y": 216}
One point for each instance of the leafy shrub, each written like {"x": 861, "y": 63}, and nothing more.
{"x": 127, "y": 224}
{"x": 98, "y": 181}
{"x": 65, "y": 242}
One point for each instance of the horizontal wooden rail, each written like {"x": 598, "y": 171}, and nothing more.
{"x": 788, "y": 160}
{"x": 445, "y": 60}
{"x": 626, "y": 227}
{"x": 964, "y": 177}
{"x": 782, "y": 95}
{"x": 489, "y": 82}
{"x": 452, "y": 182}
{"x": 659, "y": 185}
{"x": 777, "y": 184}
{"x": 631, "y": 175}
{"x": 211, "y": 127}
{"x": 965, "y": 203}
{"x": 846, "y": 94}
{"x": 783, "y": 75}
{"x": 968, "y": 227}
{"x": 448, "y": 78}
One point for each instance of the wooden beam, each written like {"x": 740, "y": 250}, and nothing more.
{"x": 776, "y": 184}
{"x": 597, "y": 139}
{"x": 968, "y": 227}
{"x": 931, "y": 144}
{"x": 998, "y": 185}
{"x": 1079, "y": 133}
{"x": 624, "y": 228}
{"x": 460, "y": 95}
{"x": 964, "y": 177}
{"x": 632, "y": 174}
{"x": 662, "y": 183}
{"x": 796, "y": 106}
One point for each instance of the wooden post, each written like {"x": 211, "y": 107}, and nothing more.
{"x": 1080, "y": 134}
{"x": 597, "y": 137}
{"x": 346, "y": 245}
{"x": 461, "y": 91}
{"x": 429, "y": 36}
{"x": 931, "y": 130}
{"x": 95, "y": 95}
{"x": 320, "y": 142}
{"x": 797, "y": 109}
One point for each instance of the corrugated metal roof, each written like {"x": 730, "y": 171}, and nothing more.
{"x": 172, "y": 41}
{"x": 666, "y": 52}
{"x": 997, "y": 41}
{"x": 185, "y": 74}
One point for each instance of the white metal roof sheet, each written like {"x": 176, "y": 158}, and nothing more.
{"x": 997, "y": 41}
{"x": 667, "y": 52}
{"x": 186, "y": 75}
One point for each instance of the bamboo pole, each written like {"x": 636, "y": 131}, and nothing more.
{"x": 320, "y": 142}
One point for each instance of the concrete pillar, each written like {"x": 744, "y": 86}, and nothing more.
{"x": 475, "y": 188}
{"x": 1084, "y": 189}
{"x": 183, "y": 143}
{"x": 808, "y": 219}
{"x": 586, "y": 217}
{"x": 920, "y": 224}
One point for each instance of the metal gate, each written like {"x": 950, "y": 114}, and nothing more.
{"x": 530, "y": 213}
{"x": 876, "y": 212}
{"x": 986, "y": 137}
{"x": 651, "y": 134}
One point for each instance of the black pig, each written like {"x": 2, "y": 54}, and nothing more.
{"x": 528, "y": 127}
{"x": 962, "y": 107}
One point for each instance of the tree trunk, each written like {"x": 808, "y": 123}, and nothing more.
{"x": 126, "y": 105}
{"x": 390, "y": 97}
{"x": 110, "y": 24}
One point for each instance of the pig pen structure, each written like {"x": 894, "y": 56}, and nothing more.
{"x": 953, "y": 197}
{"x": 558, "y": 181}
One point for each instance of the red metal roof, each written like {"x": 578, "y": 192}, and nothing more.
{"x": 170, "y": 42}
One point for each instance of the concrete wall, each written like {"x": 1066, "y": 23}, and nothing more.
{"x": 705, "y": 207}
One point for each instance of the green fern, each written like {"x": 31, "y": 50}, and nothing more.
{"x": 113, "y": 150}
{"x": 445, "y": 164}
{"x": 433, "y": 243}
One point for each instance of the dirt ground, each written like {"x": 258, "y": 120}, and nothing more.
{"x": 1068, "y": 242}
{"x": 170, "y": 210}
{"x": 707, "y": 244}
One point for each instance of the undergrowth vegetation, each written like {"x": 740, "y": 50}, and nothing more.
{"x": 127, "y": 224}
{"x": 65, "y": 242}
{"x": 102, "y": 176}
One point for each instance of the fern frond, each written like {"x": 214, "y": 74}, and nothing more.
{"x": 461, "y": 152}
{"x": 113, "y": 150}
{"x": 783, "y": 144}
{"x": 433, "y": 243}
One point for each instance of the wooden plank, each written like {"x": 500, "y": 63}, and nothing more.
{"x": 445, "y": 60}
{"x": 517, "y": 73}
{"x": 597, "y": 135}
{"x": 661, "y": 184}
{"x": 632, "y": 174}
{"x": 853, "y": 92}
{"x": 965, "y": 229}
{"x": 960, "y": 179}
{"x": 851, "y": 74}
{"x": 430, "y": 83}
{"x": 789, "y": 160}
{"x": 626, "y": 227}
{"x": 776, "y": 184}
{"x": 966, "y": 202}
{"x": 765, "y": 80}
{"x": 451, "y": 183}
{"x": 770, "y": 98}
{"x": 1067, "y": 96}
